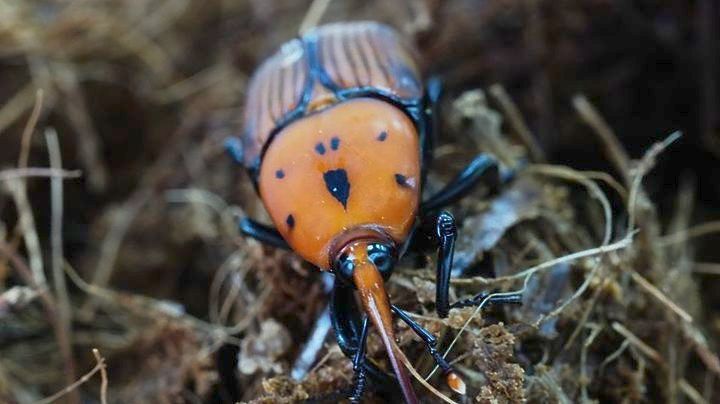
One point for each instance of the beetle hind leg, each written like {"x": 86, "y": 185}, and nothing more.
{"x": 432, "y": 124}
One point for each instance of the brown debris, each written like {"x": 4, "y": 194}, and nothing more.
{"x": 578, "y": 95}
{"x": 259, "y": 354}
{"x": 281, "y": 390}
{"x": 159, "y": 365}
{"x": 493, "y": 353}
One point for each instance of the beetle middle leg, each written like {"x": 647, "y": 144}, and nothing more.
{"x": 471, "y": 175}
{"x": 482, "y": 166}
{"x": 445, "y": 234}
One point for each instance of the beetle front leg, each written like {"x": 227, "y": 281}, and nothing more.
{"x": 446, "y": 234}
{"x": 359, "y": 365}
{"x": 349, "y": 329}
{"x": 248, "y": 227}
{"x": 451, "y": 378}
{"x": 262, "y": 233}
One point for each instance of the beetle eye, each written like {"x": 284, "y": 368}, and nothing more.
{"x": 345, "y": 267}
{"x": 383, "y": 257}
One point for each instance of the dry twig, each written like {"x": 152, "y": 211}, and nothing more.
{"x": 99, "y": 367}
{"x": 61, "y": 293}
{"x": 638, "y": 343}
{"x": 692, "y": 232}
{"x": 660, "y": 296}
{"x": 28, "y": 131}
{"x": 103, "y": 376}
{"x": 616, "y": 153}
{"x": 518, "y": 122}
{"x": 314, "y": 15}
{"x": 645, "y": 165}
{"x": 419, "y": 377}
{"x": 18, "y": 173}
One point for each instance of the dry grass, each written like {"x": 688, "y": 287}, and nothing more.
{"x": 117, "y": 232}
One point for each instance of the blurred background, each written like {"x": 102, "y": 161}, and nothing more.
{"x": 138, "y": 255}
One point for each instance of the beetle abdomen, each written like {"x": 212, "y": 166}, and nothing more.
{"x": 329, "y": 64}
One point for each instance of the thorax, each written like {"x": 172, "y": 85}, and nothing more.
{"x": 355, "y": 164}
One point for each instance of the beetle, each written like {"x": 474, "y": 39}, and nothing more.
{"x": 338, "y": 135}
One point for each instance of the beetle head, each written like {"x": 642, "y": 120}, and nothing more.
{"x": 378, "y": 253}
{"x": 365, "y": 263}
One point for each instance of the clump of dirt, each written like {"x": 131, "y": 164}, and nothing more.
{"x": 494, "y": 355}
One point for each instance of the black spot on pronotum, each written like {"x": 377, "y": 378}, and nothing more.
{"x": 280, "y": 174}
{"x": 337, "y": 184}
{"x": 320, "y": 148}
{"x": 403, "y": 181}
{"x": 382, "y": 136}
{"x": 335, "y": 143}
{"x": 290, "y": 221}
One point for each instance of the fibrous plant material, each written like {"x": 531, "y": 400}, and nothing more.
{"x": 118, "y": 207}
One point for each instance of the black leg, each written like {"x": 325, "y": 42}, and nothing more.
{"x": 463, "y": 183}
{"x": 234, "y": 149}
{"x": 451, "y": 378}
{"x": 263, "y": 233}
{"x": 346, "y": 322}
{"x": 359, "y": 365}
{"x": 446, "y": 234}
{"x": 433, "y": 92}
{"x": 512, "y": 298}
{"x": 345, "y": 318}
{"x": 426, "y": 336}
